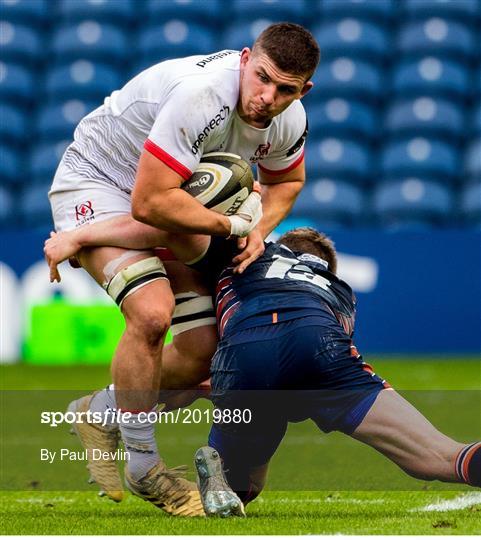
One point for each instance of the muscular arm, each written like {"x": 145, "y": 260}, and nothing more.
{"x": 279, "y": 193}
{"x": 157, "y": 200}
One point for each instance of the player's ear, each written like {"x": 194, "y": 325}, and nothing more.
{"x": 307, "y": 86}
{"x": 244, "y": 57}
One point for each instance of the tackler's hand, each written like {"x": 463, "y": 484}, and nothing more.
{"x": 248, "y": 215}
{"x": 58, "y": 248}
{"x": 252, "y": 248}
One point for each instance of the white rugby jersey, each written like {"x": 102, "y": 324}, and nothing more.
{"x": 179, "y": 110}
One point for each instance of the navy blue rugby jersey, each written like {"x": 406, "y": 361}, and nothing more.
{"x": 289, "y": 284}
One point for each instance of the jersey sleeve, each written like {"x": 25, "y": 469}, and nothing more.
{"x": 183, "y": 124}
{"x": 293, "y": 128}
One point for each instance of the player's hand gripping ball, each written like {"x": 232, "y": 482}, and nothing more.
{"x": 221, "y": 182}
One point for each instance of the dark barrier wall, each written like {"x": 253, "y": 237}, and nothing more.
{"x": 422, "y": 292}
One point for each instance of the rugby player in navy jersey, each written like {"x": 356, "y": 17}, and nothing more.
{"x": 286, "y": 324}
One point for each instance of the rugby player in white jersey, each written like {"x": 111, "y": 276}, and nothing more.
{"x": 130, "y": 156}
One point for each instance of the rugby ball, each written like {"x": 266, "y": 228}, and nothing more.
{"x": 221, "y": 182}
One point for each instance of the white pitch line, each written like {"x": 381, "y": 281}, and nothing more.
{"x": 287, "y": 500}
{"x": 458, "y": 503}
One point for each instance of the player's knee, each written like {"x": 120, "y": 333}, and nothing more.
{"x": 150, "y": 324}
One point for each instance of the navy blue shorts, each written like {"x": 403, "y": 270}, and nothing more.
{"x": 289, "y": 372}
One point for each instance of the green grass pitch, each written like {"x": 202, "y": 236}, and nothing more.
{"x": 318, "y": 484}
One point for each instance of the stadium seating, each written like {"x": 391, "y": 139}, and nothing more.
{"x": 82, "y": 79}
{"x": 348, "y": 78}
{"x": 90, "y": 40}
{"x": 337, "y": 158}
{"x": 464, "y": 10}
{"x": 382, "y": 10}
{"x": 431, "y": 76}
{"x": 7, "y": 207}
{"x": 16, "y": 84}
{"x": 425, "y": 116}
{"x": 429, "y": 158}
{"x": 330, "y": 201}
{"x": 209, "y": 12}
{"x": 274, "y": 10}
{"x": 352, "y": 37}
{"x": 57, "y": 122}
{"x": 471, "y": 203}
{"x": 20, "y": 43}
{"x": 44, "y": 161}
{"x": 175, "y": 38}
{"x": 473, "y": 159}
{"x": 106, "y": 11}
{"x": 476, "y": 119}
{"x": 34, "y": 206}
{"x": 435, "y": 36}
{"x": 26, "y": 11}
{"x": 10, "y": 165}
{"x": 415, "y": 201}
{"x": 242, "y": 34}
{"x": 338, "y": 117}
{"x": 12, "y": 125}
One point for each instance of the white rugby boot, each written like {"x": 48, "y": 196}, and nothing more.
{"x": 103, "y": 471}
{"x": 166, "y": 489}
{"x": 217, "y": 496}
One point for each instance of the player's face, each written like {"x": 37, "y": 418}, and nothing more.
{"x": 265, "y": 90}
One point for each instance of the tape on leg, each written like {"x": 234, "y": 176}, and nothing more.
{"x": 192, "y": 311}
{"x": 133, "y": 277}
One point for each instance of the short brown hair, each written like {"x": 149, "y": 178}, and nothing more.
{"x": 291, "y": 47}
{"x": 308, "y": 240}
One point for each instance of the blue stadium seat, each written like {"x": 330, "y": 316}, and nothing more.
{"x": 12, "y": 124}
{"x": 34, "y": 206}
{"x": 466, "y": 10}
{"x": 354, "y": 38}
{"x": 11, "y": 165}
{"x": 58, "y": 121}
{"x": 83, "y": 80}
{"x": 16, "y": 84}
{"x": 44, "y": 160}
{"x": 91, "y": 40}
{"x": 7, "y": 207}
{"x": 431, "y": 76}
{"x": 243, "y": 34}
{"x": 20, "y": 43}
{"x": 343, "y": 159}
{"x": 338, "y": 117}
{"x": 109, "y": 11}
{"x": 418, "y": 156}
{"x": 476, "y": 119}
{"x": 471, "y": 202}
{"x": 472, "y": 160}
{"x": 275, "y": 10}
{"x": 383, "y": 10}
{"x": 209, "y": 12}
{"x": 425, "y": 116}
{"x": 326, "y": 200}
{"x": 435, "y": 36}
{"x": 26, "y": 11}
{"x": 413, "y": 201}
{"x": 175, "y": 38}
{"x": 348, "y": 78}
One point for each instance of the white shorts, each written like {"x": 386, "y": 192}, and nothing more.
{"x": 77, "y": 200}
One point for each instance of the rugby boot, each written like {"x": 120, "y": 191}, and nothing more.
{"x": 217, "y": 496}
{"x": 103, "y": 471}
{"x": 168, "y": 490}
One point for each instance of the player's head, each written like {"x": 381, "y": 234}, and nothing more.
{"x": 276, "y": 71}
{"x": 308, "y": 240}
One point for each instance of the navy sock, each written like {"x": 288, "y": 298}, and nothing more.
{"x": 468, "y": 464}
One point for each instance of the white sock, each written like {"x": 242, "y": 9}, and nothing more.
{"x": 139, "y": 441}
{"x": 104, "y": 402}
